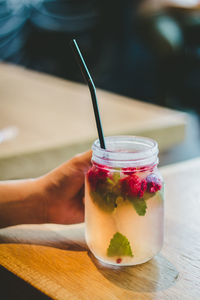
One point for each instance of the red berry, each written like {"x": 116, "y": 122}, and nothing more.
{"x": 118, "y": 260}
{"x": 102, "y": 174}
{"x": 96, "y": 176}
{"x": 133, "y": 186}
{"x": 143, "y": 169}
{"x": 154, "y": 183}
{"x": 129, "y": 171}
{"x": 91, "y": 175}
{"x": 143, "y": 188}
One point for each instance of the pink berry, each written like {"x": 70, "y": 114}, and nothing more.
{"x": 133, "y": 186}
{"x": 154, "y": 183}
{"x": 91, "y": 175}
{"x": 129, "y": 171}
{"x": 143, "y": 188}
{"x": 143, "y": 169}
{"x": 96, "y": 176}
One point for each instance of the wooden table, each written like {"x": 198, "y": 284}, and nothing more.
{"x": 55, "y": 121}
{"x": 54, "y": 258}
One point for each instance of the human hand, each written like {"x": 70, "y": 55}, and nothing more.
{"x": 56, "y": 197}
{"x": 64, "y": 190}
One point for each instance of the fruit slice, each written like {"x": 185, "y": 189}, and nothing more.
{"x": 119, "y": 246}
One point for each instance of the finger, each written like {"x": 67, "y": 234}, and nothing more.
{"x": 82, "y": 162}
{"x": 71, "y": 173}
{"x": 81, "y": 192}
{"x": 84, "y": 157}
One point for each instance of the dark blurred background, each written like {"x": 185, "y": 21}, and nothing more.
{"x": 149, "y": 50}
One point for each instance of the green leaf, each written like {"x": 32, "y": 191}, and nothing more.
{"x": 110, "y": 181}
{"x": 119, "y": 246}
{"x": 116, "y": 176}
{"x": 139, "y": 204}
{"x": 114, "y": 179}
{"x": 148, "y": 195}
{"x": 105, "y": 196}
{"x": 104, "y": 201}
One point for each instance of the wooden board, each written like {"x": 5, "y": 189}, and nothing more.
{"x": 55, "y": 121}
{"x": 46, "y": 257}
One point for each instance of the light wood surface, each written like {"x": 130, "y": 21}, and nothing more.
{"x": 55, "y": 121}
{"x": 54, "y": 258}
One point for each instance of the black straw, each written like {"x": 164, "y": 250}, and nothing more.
{"x": 89, "y": 81}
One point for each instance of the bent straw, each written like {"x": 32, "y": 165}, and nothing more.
{"x": 89, "y": 81}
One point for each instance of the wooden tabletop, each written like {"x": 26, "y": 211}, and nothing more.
{"x": 54, "y": 258}
{"x": 55, "y": 120}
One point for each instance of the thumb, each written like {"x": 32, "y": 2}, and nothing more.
{"x": 76, "y": 166}
{"x": 81, "y": 162}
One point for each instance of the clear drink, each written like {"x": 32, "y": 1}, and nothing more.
{"x": 124, "y": 201}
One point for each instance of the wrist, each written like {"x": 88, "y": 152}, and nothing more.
{"x": 50, "y": 187}
{"x": 22, "y": 202}
{"x": 39, "y": 199}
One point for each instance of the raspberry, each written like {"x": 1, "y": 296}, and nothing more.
{"x": 154, "y": 183}
{"x": 143, "y": 169}
{"x": 146, "y": 168}
{"x": 133, "y": 186}
{"x": 124, "y": 186}
{"x": 102, "y": 174}
{"x": 143, "y": 188}
{"x": 92, "y": 178}
{"x": 129, "y": 171}
{"x": 96, "y": 176}
{"x": 118, "y": 260}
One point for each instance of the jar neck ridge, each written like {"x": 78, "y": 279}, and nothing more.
{"x": 126, "y": 151}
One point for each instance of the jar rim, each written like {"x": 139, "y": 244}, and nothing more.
{"x": 126, "y": 149}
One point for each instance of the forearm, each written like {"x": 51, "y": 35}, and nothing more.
{"x": 22, "y": 202}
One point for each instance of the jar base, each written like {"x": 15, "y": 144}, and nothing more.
{"x": 112, "y": 264}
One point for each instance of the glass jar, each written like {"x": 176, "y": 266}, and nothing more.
{"x": 124, "y": 201}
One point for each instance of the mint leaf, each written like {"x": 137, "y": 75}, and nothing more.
{"x": 114, "y": 179}
{"x": 110, "y": 181}
{"x": 106, "y": 194}
{"x": 139, "y": 204}
{"x": 116, "y": 176}
{"x": 148, "y": 195}
{"x": 104, "y": 201}
{"x": 119, "y": 246}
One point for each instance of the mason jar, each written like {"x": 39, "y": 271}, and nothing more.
{"x": 124, "y": 201}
